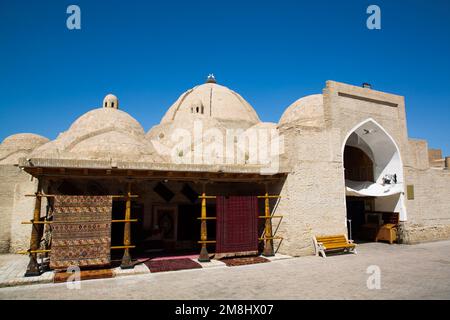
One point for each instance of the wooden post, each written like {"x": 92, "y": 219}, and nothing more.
{"x": 33, "y": 269}
{"x": 126, "y": 259}
{"x": 268, "y": 241}
{"x": 204, "y": 256}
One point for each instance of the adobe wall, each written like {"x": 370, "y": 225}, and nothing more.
{"x": 312, "y": 201}
{"x": 313, "y": 195}
{"x": 15, "y": 208}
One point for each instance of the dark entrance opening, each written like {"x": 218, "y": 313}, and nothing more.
{"x": 358, "y": 219}
{"x": 359, "y": 167}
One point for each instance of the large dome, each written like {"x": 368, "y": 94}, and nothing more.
{"x": 211, "y": 100}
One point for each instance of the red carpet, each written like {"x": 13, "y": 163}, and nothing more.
{"x": 233, "y": 262}
{"x": 237, "y": 224}
{"x": 171, "y": 265}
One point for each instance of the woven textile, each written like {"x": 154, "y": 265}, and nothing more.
{"x": 84, "y": 275}
{"x": 81, "y": 231}
{"x": 233, "y": 262}
{"x": 237, "y": 224}
{"x": 172, "y": 265}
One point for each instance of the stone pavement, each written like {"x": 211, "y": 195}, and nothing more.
{"x": 13, "y": 266}
{"x": 419, "y": 271}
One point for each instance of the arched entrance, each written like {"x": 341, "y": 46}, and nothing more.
{"x": 373, "y": 180}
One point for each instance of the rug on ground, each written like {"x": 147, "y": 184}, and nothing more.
{"x": 172, "y": 265}
{"x": 233, "y": 262}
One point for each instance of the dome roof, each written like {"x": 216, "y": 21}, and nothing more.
{"x": 166, "y": 136}
{"x": 99, "y": 119}
{"x": 211, "y": 100}
{"x": 100, "y": 134}
{"x": 307, "y": 111}
{"x": 18, "y": 146}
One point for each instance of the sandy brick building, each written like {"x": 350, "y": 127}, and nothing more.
{"x": 339, "y": 155}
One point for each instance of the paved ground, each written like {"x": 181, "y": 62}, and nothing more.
{"x": 407, "y": 272}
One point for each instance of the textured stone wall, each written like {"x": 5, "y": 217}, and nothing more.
{"x": 14, "y": 183}
{"x": 313, "y": 195}
{"x": 312, "y": 200}
{"x": 429, "y": 211}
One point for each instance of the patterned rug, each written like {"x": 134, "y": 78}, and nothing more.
{"x": 237, "y": 224}
{"x": 172, "y": 265}
{"x": 233, "y": 262}
{"x": 81, "y": 231}
{"x": 84, "y": 275}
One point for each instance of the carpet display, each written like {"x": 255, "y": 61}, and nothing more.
{"x": 172, "y": 265}
{"x": 233, "y": 262}
{"x": 237, "y": 224}
{"x": 83, "y": 275}
{"x": 81, "y": 231}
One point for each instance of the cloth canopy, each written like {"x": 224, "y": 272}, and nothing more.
{"x": 371, "y": 189}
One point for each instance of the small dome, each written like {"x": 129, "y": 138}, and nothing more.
{"x": 98, "y": 119}
{"x": 111, "y": 101}
{"x": 217, "y": 102}
{"x": 19, "y": 146}
{"x": 307, "y": 111}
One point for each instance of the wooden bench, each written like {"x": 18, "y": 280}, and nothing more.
{"x": 333, "y": 243}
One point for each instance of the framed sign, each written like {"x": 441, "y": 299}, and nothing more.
{"x": 165, "y": 221}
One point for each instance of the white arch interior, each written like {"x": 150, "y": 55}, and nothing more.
{"x": 381, "y": 148}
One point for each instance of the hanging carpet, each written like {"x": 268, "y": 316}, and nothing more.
{"x": 81, "y": 231}
{"x": 237, "y": 225}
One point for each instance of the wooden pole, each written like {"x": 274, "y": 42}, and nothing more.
{"x": 268, "y": 241}
{"x": 126, "y": 259}
{"x": 33, "y": 269}
{"x": 204, "y": 256}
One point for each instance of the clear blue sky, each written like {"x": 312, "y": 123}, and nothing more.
{"x": 271, "y": 52}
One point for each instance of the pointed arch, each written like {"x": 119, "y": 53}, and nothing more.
{"x": 373, "y": 139}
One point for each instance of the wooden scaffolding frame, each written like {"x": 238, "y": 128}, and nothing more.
{"x": 267, "y": 236}
{"x": 37, "y": 223}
